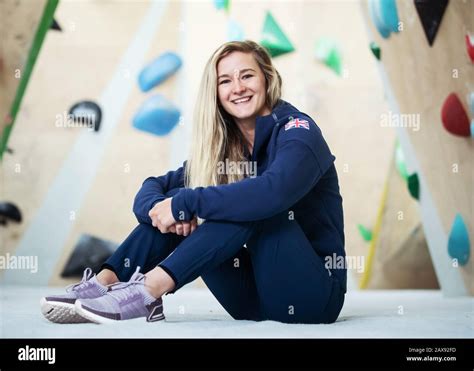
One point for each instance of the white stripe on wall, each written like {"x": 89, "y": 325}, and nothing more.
{"x": 50, "y": 227}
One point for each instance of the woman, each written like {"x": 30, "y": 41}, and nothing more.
{"x": 258, "y": 238}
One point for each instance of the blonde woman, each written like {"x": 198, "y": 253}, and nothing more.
{"x": 255, "y": 211}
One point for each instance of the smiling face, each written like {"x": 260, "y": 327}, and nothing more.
{"x": 241, "y": 87}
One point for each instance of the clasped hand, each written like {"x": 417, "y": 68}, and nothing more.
{"x": 162, "y": 218}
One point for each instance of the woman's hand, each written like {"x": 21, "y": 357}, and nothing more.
{"x": 162, "y": 216}
{"x": 184, "y": 228}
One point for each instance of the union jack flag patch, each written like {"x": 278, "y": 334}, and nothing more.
{"x": 297, "y": 123}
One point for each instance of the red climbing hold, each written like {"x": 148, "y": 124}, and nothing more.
{"x": 454, "y": 116}
{"x": 470, "y": 46}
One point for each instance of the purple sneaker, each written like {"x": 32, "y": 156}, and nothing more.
{"x": 125, "y": 300}
{"x": 61, "y": 309}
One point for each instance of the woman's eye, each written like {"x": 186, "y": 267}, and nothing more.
{"x": 224, "y": 82}
{"x": 247, "y": 76}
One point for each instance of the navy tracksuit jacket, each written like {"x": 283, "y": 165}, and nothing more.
{"x": 262, "y": 249}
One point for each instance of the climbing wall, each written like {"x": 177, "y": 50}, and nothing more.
{"x": 418, "y": 78}
{"x": 18, "y": 25}
{"x": 398, "y": 256}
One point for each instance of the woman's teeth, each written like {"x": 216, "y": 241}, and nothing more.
{"x": 242, "y": 100}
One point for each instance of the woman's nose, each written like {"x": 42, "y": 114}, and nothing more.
{"x": 238, "y": 86}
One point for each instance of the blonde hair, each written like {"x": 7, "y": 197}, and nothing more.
{"x": 215, "y": 135}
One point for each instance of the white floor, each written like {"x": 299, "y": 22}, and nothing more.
{"x": 194, "y": 313}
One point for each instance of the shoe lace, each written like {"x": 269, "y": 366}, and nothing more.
{"x": 84, "y": 282}
{"x": 123, "y": 291}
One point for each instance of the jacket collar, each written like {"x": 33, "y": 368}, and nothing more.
{"x": 264, "y": 125}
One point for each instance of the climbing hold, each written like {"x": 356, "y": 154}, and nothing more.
{"x": 430, "y": 14}
{"x": 414, "y": 186}
{"x": 470, "y": 47}
{"x": 89, "y": 252}
{"x": 234, "y": 31}
{"x": 365, "y": 233}
{"x": 55, "y": 26}
{"x": 9, "y": 212}
{"x": 458, "y": 242}
{"x": 454, "y": 116}
{"x": 374, "y": 15}
{"x": 87, "y": 114}
{"x": 375, "y": 49}
{"x": 159, "y": 70}
{"x": 472, "y": 128}
{"x": 328, "y": 52}
{"x": 274, "y": 39}
{"x": 400, "y": 162}
{"x": 384, "y": 16}
{"x": 157, "y": 116}
{"x": 222, "y": 4}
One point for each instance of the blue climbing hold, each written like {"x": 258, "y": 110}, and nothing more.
{"x": 234, "y": 31}
{"x": 159, "y": 70}
{"x": 385, "y": 16}
{"x": 389, "y": 14}
{"x": 157, "y": 116}
{"x": 458, "y": 243}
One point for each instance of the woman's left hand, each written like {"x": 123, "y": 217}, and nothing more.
{"x": 162, "y": 216}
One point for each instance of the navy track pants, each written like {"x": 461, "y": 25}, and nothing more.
{"x": 276, "y": 276}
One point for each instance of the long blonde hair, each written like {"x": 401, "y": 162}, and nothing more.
{"x": 215, "y": 135}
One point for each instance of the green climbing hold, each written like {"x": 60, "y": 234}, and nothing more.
{"x": 274, "y": 39}
{"x": 375, "y": 49}
{"x": 414, "y": 186}
{"x": 222, "y": 4}
{"x": 400, "y": 162}
{"x": 365, "y": 233}
{"x": 328, "y": 52}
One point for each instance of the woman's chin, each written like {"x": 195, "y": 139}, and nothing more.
{"x": 244, "y": 114}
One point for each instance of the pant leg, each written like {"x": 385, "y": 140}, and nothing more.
{"x": 146, "y": 246}
{"x": 292, "y": 282}
{"x": 233, "y": 285}
{"x": 210, "y": 245}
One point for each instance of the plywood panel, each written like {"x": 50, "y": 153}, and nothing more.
{"x": 422, "y": 77}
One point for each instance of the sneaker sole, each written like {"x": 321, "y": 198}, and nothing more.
{"x": 58, "y": 312}
{"x": 93, "y": 317}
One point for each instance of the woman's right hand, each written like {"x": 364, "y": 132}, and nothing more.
{"x": 184, "y": 228}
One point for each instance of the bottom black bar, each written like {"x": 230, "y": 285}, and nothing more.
{"x": 452, "y": 354}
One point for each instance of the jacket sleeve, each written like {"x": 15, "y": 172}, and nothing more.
{"x": 296, "y": 169}
{"x": 155, "y": 189}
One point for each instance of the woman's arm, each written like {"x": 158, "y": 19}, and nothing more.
{"x": 155, "y": 189}
{"x": 302, "y": 158}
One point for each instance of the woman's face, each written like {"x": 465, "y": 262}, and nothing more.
{"x": 241, "y": 86}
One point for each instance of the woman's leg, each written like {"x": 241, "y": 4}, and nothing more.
{"x": 233, "y": 285}
{"x": 292, "y": 282}
{"x": 146, "y": 246}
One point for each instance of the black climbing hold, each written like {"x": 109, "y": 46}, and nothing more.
{"x": 431, "y": 13}
{"x": 87, "y": 114}
{"x": 55, "y": 26}
{"x": 9, "y": 212}
{"x": 89, "y": 252}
